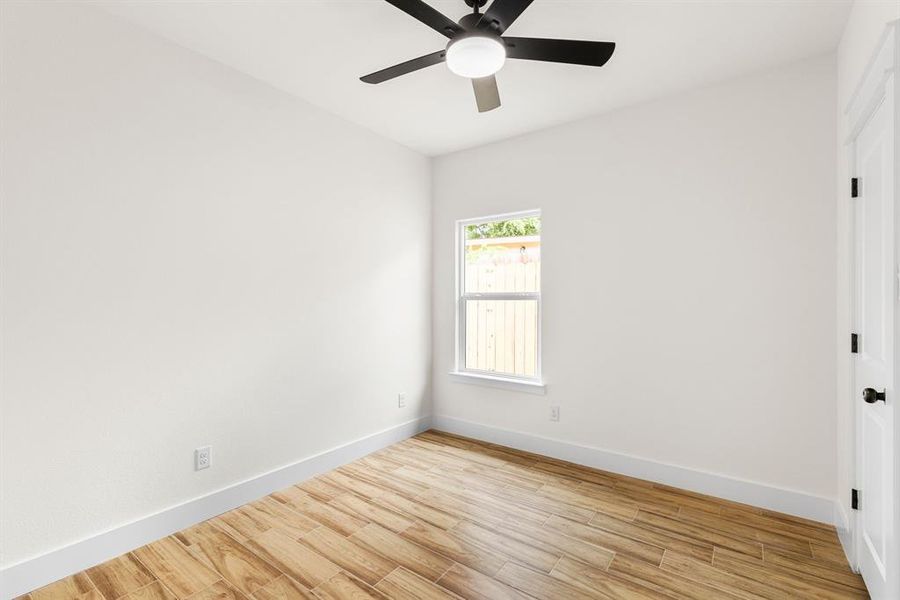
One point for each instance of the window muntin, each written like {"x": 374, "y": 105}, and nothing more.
{"x": 499, "y": 303}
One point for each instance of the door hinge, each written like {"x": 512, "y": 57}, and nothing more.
{"x": 854, "y": 499}
{"x": 854, "y": 343}
{"x": 854, "y": 187}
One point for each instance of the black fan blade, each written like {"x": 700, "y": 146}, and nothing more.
{"x": 487, "y": 96}
{"x": 502, "y": 13}
{"x": 405, "y": 67}
{"x": 417, "y": 9}
{"x": 575, "y": 52}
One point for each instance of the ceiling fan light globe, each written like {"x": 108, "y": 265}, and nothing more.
{"x": 475, "y": 56}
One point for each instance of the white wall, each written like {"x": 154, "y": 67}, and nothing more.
{"x": 688, "y": 270}
{"x": 865, "y": 25}
{"x": 189, "y": 257}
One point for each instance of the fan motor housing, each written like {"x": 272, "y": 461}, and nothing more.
{"x": 469, "y": 21}
{"x": 471, "y": 3}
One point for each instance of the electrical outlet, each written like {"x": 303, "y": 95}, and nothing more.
{"x": 554, "y": 413}
{"x": 401, "y": 400}
{"x": 202, "y": 458}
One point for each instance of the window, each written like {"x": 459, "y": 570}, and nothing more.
{"x": 499, "y": 296}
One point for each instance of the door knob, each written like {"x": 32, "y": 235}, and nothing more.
{"x": 872, "y": 396}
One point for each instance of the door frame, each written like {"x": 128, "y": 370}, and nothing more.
{"x": 879, "y": 84}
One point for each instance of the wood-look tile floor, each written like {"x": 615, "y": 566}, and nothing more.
{"x": 439, "y": 516}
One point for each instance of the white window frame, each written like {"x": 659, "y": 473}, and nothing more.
{"x": 532, "y": 384}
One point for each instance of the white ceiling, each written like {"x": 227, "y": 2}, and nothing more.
{"x": 318, "y": 49}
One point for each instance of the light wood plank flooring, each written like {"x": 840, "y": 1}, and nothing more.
{"x": 439, "y": 516}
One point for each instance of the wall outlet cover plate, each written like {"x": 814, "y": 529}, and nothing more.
{"x": 202, "y": 458}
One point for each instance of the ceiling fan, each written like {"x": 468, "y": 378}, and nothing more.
{"x": 477, "y": 48}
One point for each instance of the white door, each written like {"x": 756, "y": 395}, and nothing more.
{"x": 875, "y": 303}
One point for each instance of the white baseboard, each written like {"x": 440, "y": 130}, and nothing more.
{"x": 787, "y": 501}
{"x": 47, "y": 568}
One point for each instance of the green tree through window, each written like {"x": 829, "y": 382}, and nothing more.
{"x": 504, "y": 229}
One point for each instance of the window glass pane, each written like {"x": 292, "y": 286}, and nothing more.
{"x": 503, "y": 256}
{"x": 502, "y": 336}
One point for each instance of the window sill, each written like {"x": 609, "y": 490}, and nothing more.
{"x": 505, "y": 383}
